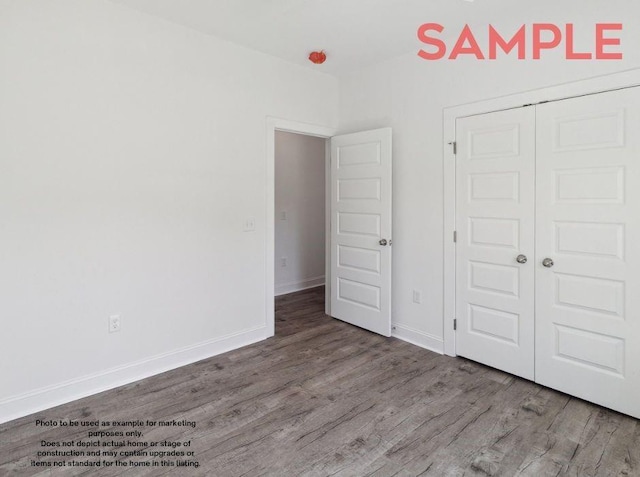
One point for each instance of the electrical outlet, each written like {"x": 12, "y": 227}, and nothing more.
{"x": 250, "y": 224}
{"x": 283, "y": 262}
{"x": 114, "y": 323}
{"x": 417, "y": 297}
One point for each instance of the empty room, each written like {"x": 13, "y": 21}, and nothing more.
{"x": 320, "y": 238}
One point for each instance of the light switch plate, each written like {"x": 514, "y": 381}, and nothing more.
{"x": 417, "y": 297}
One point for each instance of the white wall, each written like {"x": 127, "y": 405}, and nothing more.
{"x": 299, "y": 211}
{"x": 409, "y": 95}
{"x": 131, "y": 152}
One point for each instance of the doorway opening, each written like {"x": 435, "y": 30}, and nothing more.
{"x": 358, "y": 170}
{"x": 323, "y": 133}
{"x": 300, "y": 206}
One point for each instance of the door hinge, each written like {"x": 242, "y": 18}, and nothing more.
{"x": 455, "y": 236}
{"x": 454, "y": 145}
{"x": 455, "y": 324}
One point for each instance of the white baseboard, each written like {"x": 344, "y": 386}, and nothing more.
{"x": 418, "y": 338}
{"x": 284, "y": 288}
{"x": 62, "y": 393}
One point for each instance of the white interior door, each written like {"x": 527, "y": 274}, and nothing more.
{"x": 361, "y": 229}
{"x": 588, "y": 224}
{"x": 495, "y": 174}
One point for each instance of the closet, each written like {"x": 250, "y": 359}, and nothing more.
{"x": 548, "y": 244}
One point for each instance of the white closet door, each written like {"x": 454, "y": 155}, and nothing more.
{"x": 588, "y": 224}
{"x": 495, "y": 173}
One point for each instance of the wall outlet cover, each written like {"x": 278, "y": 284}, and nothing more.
{"x": 114, "y": 323}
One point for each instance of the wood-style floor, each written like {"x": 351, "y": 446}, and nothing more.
{"x": 325, "y": 398}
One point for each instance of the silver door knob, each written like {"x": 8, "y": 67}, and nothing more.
{"x": 547, "y": 262}
{"x": 383, "y": 242}
{"x": 521, "y": 259}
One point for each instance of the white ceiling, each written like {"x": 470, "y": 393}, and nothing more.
{"x": 355, "y": 33}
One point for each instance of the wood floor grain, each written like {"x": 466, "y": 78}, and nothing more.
{"x": 325, "y": 398}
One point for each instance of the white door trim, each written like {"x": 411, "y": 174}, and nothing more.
{"x": 326, "y": 132}
{"x": 594, "y": 85}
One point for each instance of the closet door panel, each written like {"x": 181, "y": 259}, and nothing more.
{"x": 495, "y": 210}
{"x": 588, "y": 226}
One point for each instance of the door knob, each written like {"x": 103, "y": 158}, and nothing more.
{"x": 383, "y": 242}
{"x": 547, "y": 262}
{"x": 521, "y": 259}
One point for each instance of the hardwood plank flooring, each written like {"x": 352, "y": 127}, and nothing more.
{"x": 325, "y": 398}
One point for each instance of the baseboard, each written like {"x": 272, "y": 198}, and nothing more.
{"x": 62, "y": 393}
{"x": 418, "y": 338}
{"x": 299, "y": 285}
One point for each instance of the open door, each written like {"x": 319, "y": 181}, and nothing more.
{"x": 361, "y": 229}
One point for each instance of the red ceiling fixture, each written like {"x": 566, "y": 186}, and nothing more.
{"x": 318, "y": 57}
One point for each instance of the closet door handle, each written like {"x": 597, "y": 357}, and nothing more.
{"x": 547, "y": 262}
{"x": 521, "y": 259}
{"x": 383, "y": 242}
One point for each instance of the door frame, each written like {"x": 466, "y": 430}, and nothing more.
{"x": 326, "y": 132}
{"x": 595, "y": 85}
